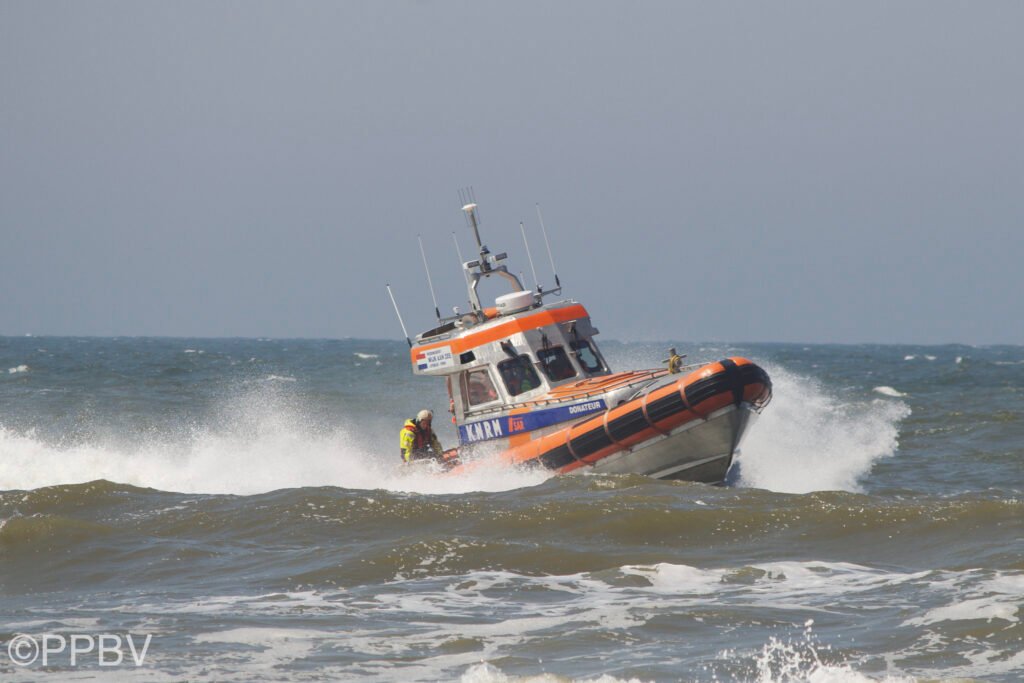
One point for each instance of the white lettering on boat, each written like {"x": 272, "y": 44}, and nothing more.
{"x": 488, "y": 429}
{"x": 585, "y": 407}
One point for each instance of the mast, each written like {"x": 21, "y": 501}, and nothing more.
{"x": 487, "y": 263}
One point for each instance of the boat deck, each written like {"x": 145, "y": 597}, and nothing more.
{"x": 599, "y": 385}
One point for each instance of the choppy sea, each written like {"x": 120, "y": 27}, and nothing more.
{"x": 238, "y": 506}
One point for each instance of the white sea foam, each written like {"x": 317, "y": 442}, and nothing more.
{"x": 17, "y": 369}
{"x": 670, "y": 578}
{"x": 980, "y": 608}
{"x": 366, "y": 356}
{"x": 487, "y": 673}
{"x": 614, "y": 610}
{"x": 809, "y": 440}
{"x": 583, "y": 603}
{"x": 812, "y": 585}
{"x": 888, "y": 391}
{"x": 996, "y": 598}
{"x": 65, "y": 623}
{"x": 262, "y": 443}
{"x": 268, "y": 647}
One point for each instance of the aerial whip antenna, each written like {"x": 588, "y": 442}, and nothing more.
{"x": 463, "y": 200}
{"x": 393, "y": 303}
{"x": 470, "y": 211}
{"x": 469, "y": 207}
{"x": 522, "y": 229}
{"x": 430, "y": 284}
{"x": 548, "y": 245}
{"x": 467, "y": 197}
{"x": 458, "y": 250}
{"x": 462, "y": 263}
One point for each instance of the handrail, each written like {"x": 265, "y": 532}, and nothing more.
{"x": 629, "y": 377}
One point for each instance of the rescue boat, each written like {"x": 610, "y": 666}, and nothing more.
{"x": 528, "y": 386}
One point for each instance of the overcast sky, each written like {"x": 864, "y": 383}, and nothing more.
{"x": 818, "y": 172}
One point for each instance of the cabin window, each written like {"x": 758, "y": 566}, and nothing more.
{"x": 556, "y": 364}
{"x": 586, "y": 356}
{"x": 479, "y": 387}
{"x": 519, "y": 375}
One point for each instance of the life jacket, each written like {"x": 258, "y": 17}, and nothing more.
{"x": 421, "y": 439}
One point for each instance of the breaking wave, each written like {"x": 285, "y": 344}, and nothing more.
{"x": 275, "y": 458}
{"x": 259, "y": 442}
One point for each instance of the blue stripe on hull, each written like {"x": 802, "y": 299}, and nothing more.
{"x": 510, "y": 425}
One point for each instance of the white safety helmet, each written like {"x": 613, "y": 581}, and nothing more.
{"x": 424, "y": 415}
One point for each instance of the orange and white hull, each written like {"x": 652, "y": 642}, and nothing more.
{"x": 688, "y": 428}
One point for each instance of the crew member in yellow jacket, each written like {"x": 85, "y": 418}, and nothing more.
{"x": 417, "y": 440}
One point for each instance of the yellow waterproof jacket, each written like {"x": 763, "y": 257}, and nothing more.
{"x": 415, "y": 442}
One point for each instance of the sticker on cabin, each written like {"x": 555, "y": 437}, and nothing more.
{"x": 435, "y": 359}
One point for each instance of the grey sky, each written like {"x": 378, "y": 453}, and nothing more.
{"x": 821, "y": 172}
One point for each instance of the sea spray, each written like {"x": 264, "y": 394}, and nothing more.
{"x": 806, "y": 660}
{"x": 259, "y": 440}
{"x": 263, "y": 437}
{"x": 810, "y": 440}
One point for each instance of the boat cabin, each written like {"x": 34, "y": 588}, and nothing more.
{"x": 497, "y": 361}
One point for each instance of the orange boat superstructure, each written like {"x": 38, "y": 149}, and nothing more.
{"x": 529, "y": 386}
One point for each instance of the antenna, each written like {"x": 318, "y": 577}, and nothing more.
{"x": 487, "y": 263}
{"x": 470, "y": 210}
{"x": 437, "y": 311}
{"x": 548, "y": 244}
{"x": 472, "y": 197}
{"x": 522, "y": 229}
{"x": 467, "y": 196}
{"x": 469, "y": 207}
{"x": 463, "y": 200}
{"x": 399, "y": 315}
{"x": 462, "y": 264}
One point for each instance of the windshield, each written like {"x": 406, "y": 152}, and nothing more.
{"x": 585, "y": 354}
{"x": 556, "y": 364}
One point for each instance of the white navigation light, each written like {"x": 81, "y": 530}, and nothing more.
{"x": 468, "y": 207}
